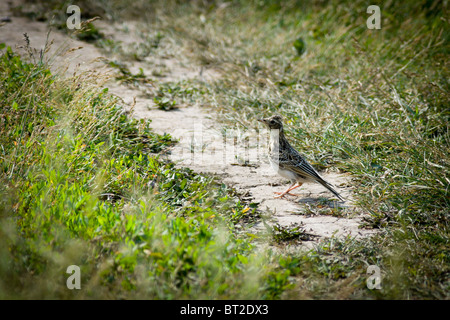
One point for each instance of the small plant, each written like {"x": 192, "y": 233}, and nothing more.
{"x": 323, "y": 206}
{"x": 164, "y": 103}
{"x": 300, "y": 46}
{"x": 167, "y": 92}
{"x": 293, "y": 232}
{"x": 125, "y": 75}
{"x": 89, "y": 32}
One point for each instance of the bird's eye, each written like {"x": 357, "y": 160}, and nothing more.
{"x": 272, "y": 122}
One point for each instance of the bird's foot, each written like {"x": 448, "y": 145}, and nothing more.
{"x": 282, "y": 194}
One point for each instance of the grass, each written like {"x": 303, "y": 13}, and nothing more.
{"x": 293, "y": 232}
{"x": 83, "y": 185}
{"x": 371, "y": 103}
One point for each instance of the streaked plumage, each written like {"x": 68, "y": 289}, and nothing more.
{"x": 287, "y": 162}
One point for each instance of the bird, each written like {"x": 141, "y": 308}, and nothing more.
{"x": 288, "y": 162}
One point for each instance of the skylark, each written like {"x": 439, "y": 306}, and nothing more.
{"x": 287, "y": 162}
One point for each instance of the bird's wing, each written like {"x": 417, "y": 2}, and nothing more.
{"x": 293, "y": 161}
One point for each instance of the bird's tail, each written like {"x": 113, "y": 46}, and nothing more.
{"x": 329, "y": 187}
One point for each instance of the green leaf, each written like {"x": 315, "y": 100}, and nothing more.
{"x": 183, "y": 183}
{"x": 300, "y": 46}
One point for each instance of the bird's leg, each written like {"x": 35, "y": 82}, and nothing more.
{"x": 281, "y": 194}
{"x": 298, "y": 185}
{"x": 291, "y": 187}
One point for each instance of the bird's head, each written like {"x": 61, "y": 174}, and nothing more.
{"x": 274, "y": 122}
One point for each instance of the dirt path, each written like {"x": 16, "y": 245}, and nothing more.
{"x": 238, "y": 160}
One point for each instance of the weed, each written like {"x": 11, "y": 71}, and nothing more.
{"x": 126, "y": 76}
{"x": 293, "y": 232}
{"x": 83, "y": 186}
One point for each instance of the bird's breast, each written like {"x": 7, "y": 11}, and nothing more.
{"x": 274, "y": 142}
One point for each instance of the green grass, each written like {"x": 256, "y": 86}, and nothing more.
{"x": 371, "y": 103}
{"x": 293, "y": 232}
{"x": 82, "y": 184}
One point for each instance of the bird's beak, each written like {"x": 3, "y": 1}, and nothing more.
{"x": 262, "y": 120}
